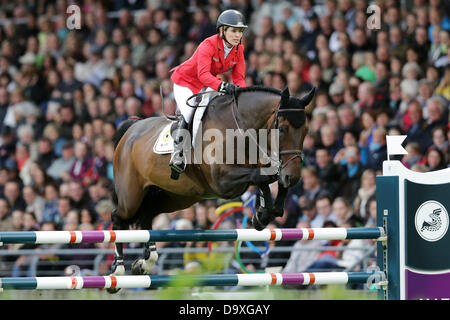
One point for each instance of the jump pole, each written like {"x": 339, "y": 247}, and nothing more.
{"x": 143, "y": 236}
{"x": 156, "y": 281}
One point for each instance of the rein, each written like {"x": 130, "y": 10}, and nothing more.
{"x": 296, "y": 153}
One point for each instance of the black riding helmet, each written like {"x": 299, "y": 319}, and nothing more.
{"x": 231, "y": 18}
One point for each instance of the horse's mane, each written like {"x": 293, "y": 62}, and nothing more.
{"x": 257, "y": 88}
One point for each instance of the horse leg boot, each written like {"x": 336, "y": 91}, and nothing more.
{"x": 144, "y": 266}
{"x": 117, "y": 267}
{"x": 278, "y": 207}
{"x": 178, "y": 161}
{"x": 265, "y": 213}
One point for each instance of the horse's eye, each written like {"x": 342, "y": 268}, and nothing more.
{"x": 282, "y": 129}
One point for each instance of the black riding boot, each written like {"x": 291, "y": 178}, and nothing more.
{"x": 178, "y": 161}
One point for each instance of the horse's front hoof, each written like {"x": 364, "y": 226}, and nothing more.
{"x": 136, "y": 267}
{"x": 117, "y": 269}
{"x": 256, "y": 223}
{"x": 113, "y": 290}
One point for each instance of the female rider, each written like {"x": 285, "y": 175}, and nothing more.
{"x": 216, "y": 54}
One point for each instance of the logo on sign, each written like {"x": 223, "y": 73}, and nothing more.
{"x": 431, "y": 221}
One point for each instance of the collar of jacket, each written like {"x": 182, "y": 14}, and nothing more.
{"x": 220, "y": 43}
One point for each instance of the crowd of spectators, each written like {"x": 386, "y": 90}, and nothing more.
{"x": 63, "y": 94}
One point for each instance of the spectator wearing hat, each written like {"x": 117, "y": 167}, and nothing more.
{"x": 310, "y": 36}
{"x": 336, "y": 93}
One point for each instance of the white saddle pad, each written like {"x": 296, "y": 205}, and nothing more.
{"x": 164, "y": 144}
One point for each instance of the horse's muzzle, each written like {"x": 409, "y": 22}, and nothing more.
{"x": 285, "y": 180}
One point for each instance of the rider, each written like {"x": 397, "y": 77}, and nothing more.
{"x": 216, "y": 54}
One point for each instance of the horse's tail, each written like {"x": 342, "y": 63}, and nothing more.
{"x": 124, "y": 126}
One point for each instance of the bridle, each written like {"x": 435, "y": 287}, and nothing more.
{"x": 279, "y": 162}
{"x": 296, "y": 153}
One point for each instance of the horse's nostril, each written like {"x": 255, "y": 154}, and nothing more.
{"x": 287, "y": 180}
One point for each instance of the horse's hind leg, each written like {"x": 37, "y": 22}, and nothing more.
{"x": 117, "y": 267}
{"x": 145, "y": 265}
{"x": 145, "y": 213}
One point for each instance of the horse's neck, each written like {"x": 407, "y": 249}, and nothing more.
{"x": 257, "y": 110}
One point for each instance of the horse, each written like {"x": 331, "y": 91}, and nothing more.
{"x": 143, "y": 189}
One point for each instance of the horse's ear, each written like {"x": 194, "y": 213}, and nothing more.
{"x": 285, "y": 96}
{"x": 308, "y": 97}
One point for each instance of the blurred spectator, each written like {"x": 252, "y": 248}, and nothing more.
{"x": 46, "y": 153}
{"x": 82, "y": 163}
{"x": 416, "y": 131}
{"x": 339, "y": 260}
{"x": 328, "y": 171}
{"x": 365, "y": 193}
{"x": 414, "y": 155}
{"x": 311, "y": 184}
{"x": 301, "y": 259}
{"x": 60, "y": 168}
{"x": 104, "y": 209}
{"x": 12, "y": 194}
{"x": 6, "y": 219}
{"x": 350, "y": 173}
{"x": 35, "y": 203}
{"x": 324, "y": 210}
{"x": 435, "y": 159}
{"x": 50, "y": 212}
{"x": 377, "y": 150}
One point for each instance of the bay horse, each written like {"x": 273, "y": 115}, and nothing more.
{"x": 143, "y": 188}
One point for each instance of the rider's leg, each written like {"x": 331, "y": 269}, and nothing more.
{"x": 178, "y": 160}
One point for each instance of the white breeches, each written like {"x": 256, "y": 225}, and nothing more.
{"x": 182, "y": 94}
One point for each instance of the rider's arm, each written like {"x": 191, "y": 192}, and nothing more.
{"x": 205, "y": 55}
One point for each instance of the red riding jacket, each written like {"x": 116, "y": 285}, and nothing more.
{"x": 207, "y": 62}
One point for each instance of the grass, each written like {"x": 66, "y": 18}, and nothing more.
{"x": 331, "y": 292}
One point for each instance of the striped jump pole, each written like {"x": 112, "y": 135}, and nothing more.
{"x": 127, "y": 236}
{"x": 150, "y": 281}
